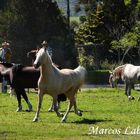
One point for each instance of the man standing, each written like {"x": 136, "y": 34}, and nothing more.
{"x": 5, "y": 58}
{"x": 6, "y": 52}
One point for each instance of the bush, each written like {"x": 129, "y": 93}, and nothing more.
{"x": 97, "y": 77}
{"x": 82, "y": 19}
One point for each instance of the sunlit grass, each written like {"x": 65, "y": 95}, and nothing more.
{"x": 101, "y": 107}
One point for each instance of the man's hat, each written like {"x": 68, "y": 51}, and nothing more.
{"x": 44, "y": 43}
{"x": 5, "y": 44}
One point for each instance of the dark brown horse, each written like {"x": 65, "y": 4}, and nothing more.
{"x": 21, "y": 77}
{"x": 32, "y": 54}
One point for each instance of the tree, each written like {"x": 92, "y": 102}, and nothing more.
{"x": 3, "y": 4}
{"x": 129, "y": 41}
{"x": 34, "y": 21}
{"x": 87, "y": 35}
{"x": 119, "y": 17}
{"x": 126, "y": 38}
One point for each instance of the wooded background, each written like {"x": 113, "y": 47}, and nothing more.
{"x": 104, "y": 34}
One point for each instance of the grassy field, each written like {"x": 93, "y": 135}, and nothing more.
{"x": 107, "y": 115}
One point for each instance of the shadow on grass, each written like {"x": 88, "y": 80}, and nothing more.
{"x": 4, "y": 133}
{"x": 89, "y": 121}
{"x": 78, "y": 110}
{"x": 3, "y": 106}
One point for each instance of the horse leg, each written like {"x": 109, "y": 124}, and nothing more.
{"x": 40, "y": 98}
{"x": 51, "y": 107}
{"x": 26, "y": 99}
{"x": 129, "y": 91}
{"x": 71, "y": 103}
{"x": 126, "y": 88}
{"x": 55, "y": 103}
{"x": 78, "y": 112}
{"x": 18, "y": 95}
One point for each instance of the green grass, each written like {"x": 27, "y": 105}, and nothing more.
{"x": 102, "y": 108}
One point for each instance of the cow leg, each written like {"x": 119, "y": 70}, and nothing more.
{"x": 24, "y": 95}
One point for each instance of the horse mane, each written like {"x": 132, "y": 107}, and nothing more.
{"x": 118, "y": 71}
{"x": 119, "y": 67}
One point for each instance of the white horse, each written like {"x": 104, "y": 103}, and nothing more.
{"x": 54, "y": 81}
{"x": 131, "y": 77}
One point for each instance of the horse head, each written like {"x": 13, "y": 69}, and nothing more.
{"x": 116, "y": 74}
{"x": 41, "y": 57}
{"x": 32, "y": 54}
{"x": 112, "y": 79}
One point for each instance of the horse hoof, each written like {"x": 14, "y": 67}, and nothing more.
{"x": 63, "y": 121}
{"x": 79, "y": 113}
{"x": 131, "y": 98}
{"x": 35, "y": 120}
{"x": 29, "y": 110}
{"x": 50, "y": 110}
{"x": 19, "y": 109}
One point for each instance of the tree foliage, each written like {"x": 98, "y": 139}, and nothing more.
{"x": 108, "y": 31}
{"x": 116, "y": 31}
{"x": 127, "y": 42}
{"x": 92, "y": 33}
{"x": 87, "y": 31}
{"x": 31, "y": 22}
